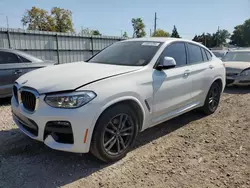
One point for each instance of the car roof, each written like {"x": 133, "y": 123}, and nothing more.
{"x": 164, "y": 39}
{"x": 25, "y": 55}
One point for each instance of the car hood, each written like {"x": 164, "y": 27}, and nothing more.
{"x": 237, "y": 64}
{"x": 70, "y": 76}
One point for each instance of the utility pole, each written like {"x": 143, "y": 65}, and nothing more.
{"x": 121, "y": 34}
{"x": 155, "y": 23}
{"x": 205, "y": 39}
{"x": 218, "y": 36}
{"x": 150, "y": 33}
{"x": 7, "y": 21}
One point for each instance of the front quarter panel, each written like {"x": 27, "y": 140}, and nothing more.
{"x": 136, "y": 86}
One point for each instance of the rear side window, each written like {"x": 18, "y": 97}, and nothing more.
{"x": 24, "y": 60}
{"x": 205, "y": 58}
{"x": 7, "y": 57}
{"x": 176, "y": 51}
{"x": 195, "y": 55}
{"x": 208, "y": 55}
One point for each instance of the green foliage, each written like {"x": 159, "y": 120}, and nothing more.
{"x": 38, "y": 19}
{"x": 96, "y": 32}
{"x": 221, "y": 37}
{"x": 59, "y": 20}
{"x": 212, "y": 40}
{"x": 241, "y": 34}
{"x": 175, "y": 33}
{"x": 160, "y": 33}
{"x": 88, "y": 31}
{"x": 62, "y": 19}
{"x": 125, "y": 35}
{"x": 139, "y": 28}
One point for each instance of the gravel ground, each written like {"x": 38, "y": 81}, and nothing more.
{"x": 190, "y": 151}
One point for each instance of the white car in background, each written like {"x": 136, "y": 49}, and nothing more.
{"x": 101, "y": 105}
{"x": 237, "y": 67}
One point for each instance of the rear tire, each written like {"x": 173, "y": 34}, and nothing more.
{"x": 212, "y": 99}
{"x": 115, "y": 133}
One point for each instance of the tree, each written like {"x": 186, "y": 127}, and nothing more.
{"x": 138, "y": 27}
{"x": 38, "y": 19}
{"x": 212, "y": 40}
{"x": 88, "y": 31}
{"x": 241, "y": 34}
{"x": 195, "y": 38}
{"x": 220, "y": 37}
{"x": 58, "y": 20}
{"x": 160, "y": 33}
{"x": 62, "y": 19}
{"x": 96, "y": 32}
{"x": 125, "y": 35}
{"x": 175, "y": 33}
{"x": 205, "y": 39}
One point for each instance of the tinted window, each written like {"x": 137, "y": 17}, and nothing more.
{"x": 219, "y": 54}
{"x": 195, "y": 55}
{"x": 24, "y": 59}
{"x": 132, "y": 53}
{"x": 204, "y": 55}
{"x": 208, "y": 55}
{"x": 176, "y": 51}
{"x": 6, "y": 57}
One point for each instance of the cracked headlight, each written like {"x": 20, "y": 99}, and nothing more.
{"x": 245, "y": 72}
{"x": 70, "y": 100}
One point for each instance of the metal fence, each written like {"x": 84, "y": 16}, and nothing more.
{"x": 59, "y": 47}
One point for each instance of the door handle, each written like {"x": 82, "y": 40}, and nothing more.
{"x": 18, "y": 71}
{"x": 211, "y": 66}
{"x": 187, "y": 72}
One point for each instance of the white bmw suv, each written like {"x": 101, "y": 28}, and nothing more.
{"x": 101, "y": 105}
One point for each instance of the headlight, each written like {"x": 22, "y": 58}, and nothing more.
{"x": 70, "y": 100}
{"x": 245, "y": 72}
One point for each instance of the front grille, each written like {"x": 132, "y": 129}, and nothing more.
{"x": 28, "y": 100}
{"x": 15, "y": 90}
{"x": 245, "y": 81}
{"x": 232, "y": 74}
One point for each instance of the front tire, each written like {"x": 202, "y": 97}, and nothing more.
{"x": 115, "y": 133}
{"x": 212, "y": 99}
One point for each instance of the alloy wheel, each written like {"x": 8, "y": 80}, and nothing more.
{"x": 118, "y": 134}
{"x": 214, "y": 97}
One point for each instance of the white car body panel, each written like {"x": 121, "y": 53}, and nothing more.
{"x": 168, "y": 93}
{"x": 72, "y": 75}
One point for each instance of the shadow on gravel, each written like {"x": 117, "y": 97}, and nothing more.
{"x": 5, "y": 101}
{"x": 28, "y": 163}
{"x": 237, "y": 90}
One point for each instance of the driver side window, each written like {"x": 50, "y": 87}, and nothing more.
{"x": 177, "y": 51}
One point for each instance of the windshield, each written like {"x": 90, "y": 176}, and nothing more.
{"x": 130, "y": 53}
{"x": 237, "y": 56}
{"x": 219, "y": 54}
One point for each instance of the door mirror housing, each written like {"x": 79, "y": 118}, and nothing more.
{"x": 168, "y": 62}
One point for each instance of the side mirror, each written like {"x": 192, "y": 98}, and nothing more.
{"x": 166, "y": 63}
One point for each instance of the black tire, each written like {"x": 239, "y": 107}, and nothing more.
{"x": 126, "y": 115}
{"x": 208, "y": 108}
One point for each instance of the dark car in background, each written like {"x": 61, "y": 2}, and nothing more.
{"x": 13, "y": 64}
